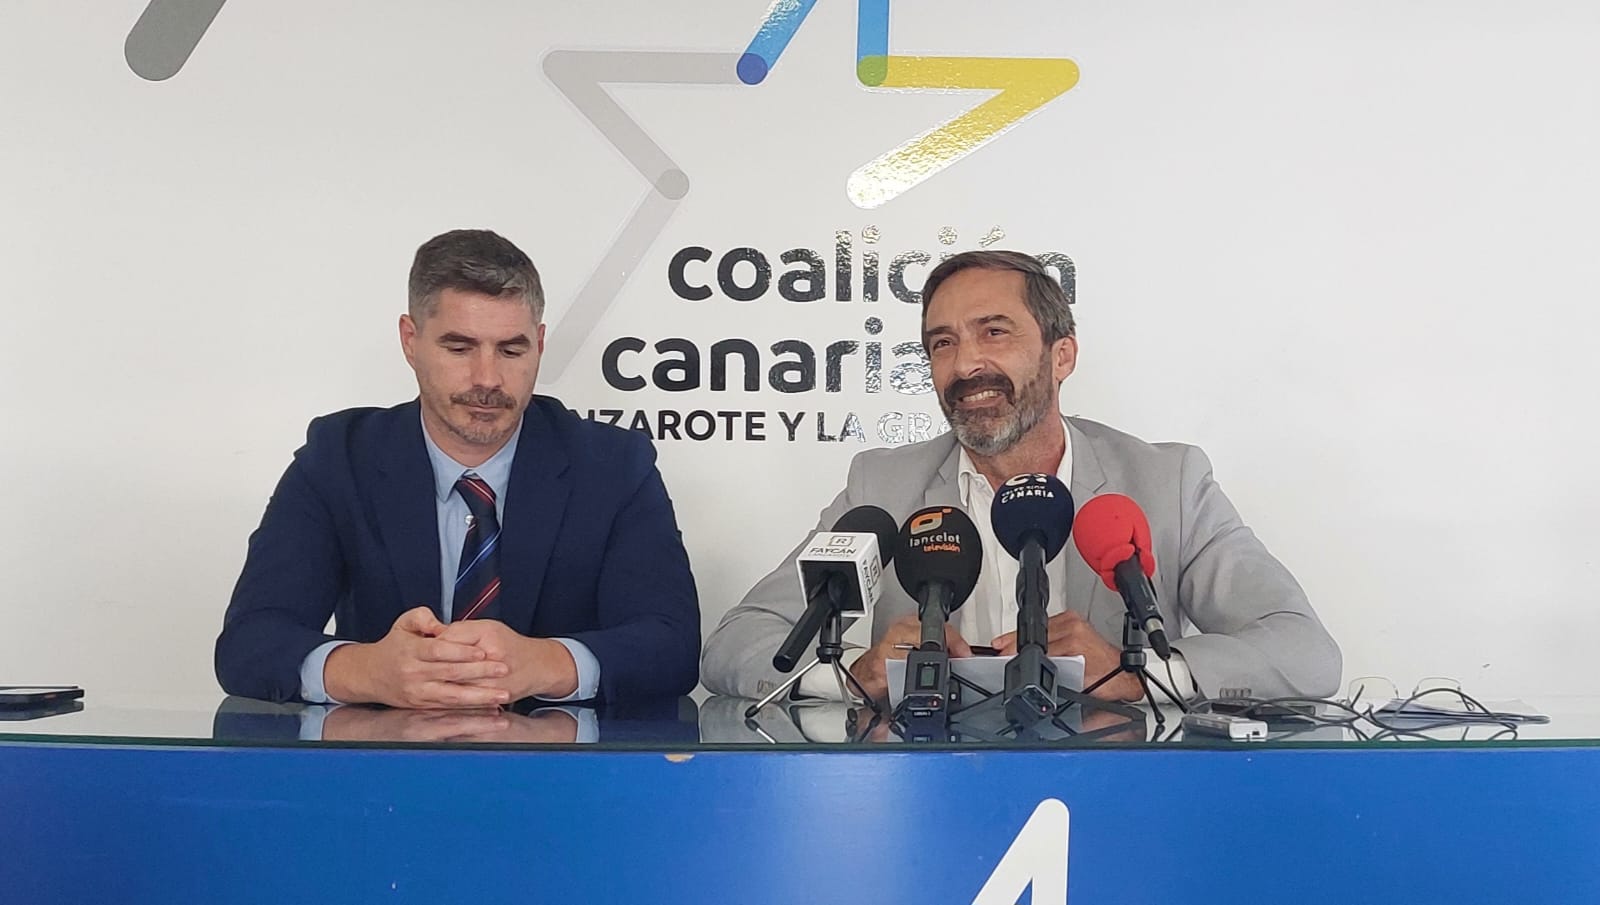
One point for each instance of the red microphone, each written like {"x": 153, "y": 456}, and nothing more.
{"x": 1113, "y": 536}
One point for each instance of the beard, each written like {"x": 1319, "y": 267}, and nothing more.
{"x": 475, "y": 428}
{"x": 991, "y": 431}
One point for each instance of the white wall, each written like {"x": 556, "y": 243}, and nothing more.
{"x": 1347, "y": 248}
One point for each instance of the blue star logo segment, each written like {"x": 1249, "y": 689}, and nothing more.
{"x": 782, "y": 21}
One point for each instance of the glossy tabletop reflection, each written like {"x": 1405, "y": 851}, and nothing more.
{"x": 716, "y": 723}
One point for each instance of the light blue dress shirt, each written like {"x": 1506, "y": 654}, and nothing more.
{"x": 452, "y": 511}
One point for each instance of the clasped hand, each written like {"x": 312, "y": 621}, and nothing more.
{"x": 423, "y": 663}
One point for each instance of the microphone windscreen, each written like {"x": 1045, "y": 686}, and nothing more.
{"x": 1111, "y": 528}
{"x": 871, "y": 520}
{"x": 939, "y": 545}
{"x": 1030, "y": 503}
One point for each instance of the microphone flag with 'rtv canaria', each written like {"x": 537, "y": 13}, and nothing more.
{"x": 1032, "y": 516}
{"x": 937, "y": 559}
{"x": 1113, "y": 535}
{"x": 841, "y": 573}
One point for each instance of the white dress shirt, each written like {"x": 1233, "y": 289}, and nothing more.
{"x": 991, "y": 611}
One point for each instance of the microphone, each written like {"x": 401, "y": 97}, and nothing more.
{"x": 1032, "y": 516}
{"x": 1113, "y": 535}
{"x": 841, "y": 573}
{"x": 937, "y": 559}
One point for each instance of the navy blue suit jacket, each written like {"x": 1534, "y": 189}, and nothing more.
{"x": 589, "y": 550}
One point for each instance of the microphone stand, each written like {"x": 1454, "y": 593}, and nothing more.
{"x": 924, "y": 711}
{"x": 1032, "y": 701}
{"x": 1133, "y": 661}
{"x": 977, "y": 720}
{"x": 830, "y": 649}
{"x": 1030, "y": 678}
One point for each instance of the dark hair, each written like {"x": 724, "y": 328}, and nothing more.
{"x": 472, "y": 260}
{"x": 1048, "y": 300}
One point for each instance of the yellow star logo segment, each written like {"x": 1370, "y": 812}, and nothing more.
{"x": 1022, "y": 86}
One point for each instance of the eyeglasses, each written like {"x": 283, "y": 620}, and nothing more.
{"x": 1436, "y": 702}
{"x": 1431, "y": 692}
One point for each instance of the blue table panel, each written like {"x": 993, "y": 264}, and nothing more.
{"x": 87, "y": 823}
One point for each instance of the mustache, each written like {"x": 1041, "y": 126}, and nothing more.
{"x": 969, "y": 385}
{"x": 485, "y": 398}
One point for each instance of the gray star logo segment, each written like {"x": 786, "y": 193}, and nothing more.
{"x": 580, "y": 76}
{"x": 166, "y": 34}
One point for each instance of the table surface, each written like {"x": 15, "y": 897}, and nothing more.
{"x": 201, "y": 798}
{"x": 717, "y": 723}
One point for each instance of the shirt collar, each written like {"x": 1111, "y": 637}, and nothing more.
{"x": 971, "y": 482}
{"x": 496, "y": 471}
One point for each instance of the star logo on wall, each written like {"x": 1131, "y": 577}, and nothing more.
{"x": 168, "y": 31}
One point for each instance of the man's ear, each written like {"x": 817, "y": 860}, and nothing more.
{"x": 1064, "y": 357}
{"x": 408, "y": 338}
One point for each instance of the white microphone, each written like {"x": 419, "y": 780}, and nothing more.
{"x": 852, "y": 555}
{"x": 841, "y": 572}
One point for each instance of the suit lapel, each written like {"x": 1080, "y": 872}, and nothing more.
{"x": 536, "y": 501}
{"x": 408, "y": 514}
{"x": 1087, "y": 478}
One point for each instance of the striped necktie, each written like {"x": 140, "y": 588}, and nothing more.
{"x": 478, "y": 576}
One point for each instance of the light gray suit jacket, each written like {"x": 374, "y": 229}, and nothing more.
{"x": 1238, "y": 616}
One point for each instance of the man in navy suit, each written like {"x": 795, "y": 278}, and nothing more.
{"x": 476, "y": 546}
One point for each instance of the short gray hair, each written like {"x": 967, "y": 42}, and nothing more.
{"x": 472, "y": 260}
{"x": 1048, "y": 299}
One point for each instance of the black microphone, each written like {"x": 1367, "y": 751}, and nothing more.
{"x": 937, "y": 559}
{"x": 840, "y": 572}
{"x": 1032, "y": 516}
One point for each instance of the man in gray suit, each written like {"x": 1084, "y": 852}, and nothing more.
{"x": 1000, "y": 340}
